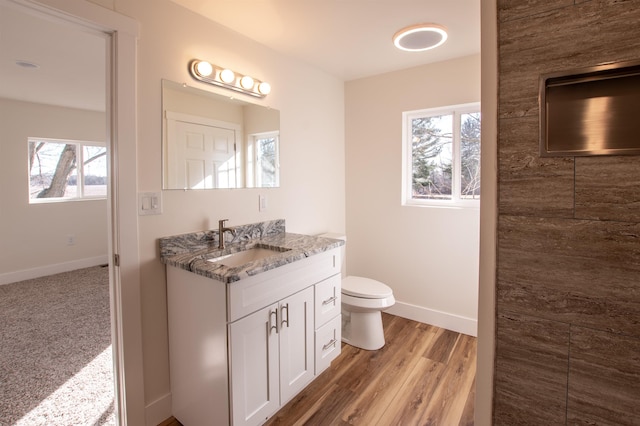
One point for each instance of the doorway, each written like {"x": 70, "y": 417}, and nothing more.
{"x": 120, "y": 34}
{"x": 54, "y": 93}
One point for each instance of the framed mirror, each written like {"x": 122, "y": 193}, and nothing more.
{"x": 211, "y": 141}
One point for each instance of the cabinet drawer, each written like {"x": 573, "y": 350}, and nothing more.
{"x": 328, "y": 343}
{"x": 253, "y": 293}
{"x": 328, "y": 299}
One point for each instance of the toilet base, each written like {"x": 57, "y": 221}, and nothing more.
{"x": 363, "y": 329}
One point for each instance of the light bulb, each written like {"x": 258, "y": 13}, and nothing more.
{"x": 227, "y": 76}
{"x": 264, "y": 88}
{"x": 204, "y": 68}
{"x": 246, "y": 82}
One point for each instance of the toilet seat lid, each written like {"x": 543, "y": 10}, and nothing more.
{"x": 365, "y": 288}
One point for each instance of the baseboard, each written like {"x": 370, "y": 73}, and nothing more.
{"x": 43, "y": 271}
{"x": 451, "y": 322}
{"x": 158, "y": 411}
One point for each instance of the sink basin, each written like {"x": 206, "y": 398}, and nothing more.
{"x": 240, "y": 258}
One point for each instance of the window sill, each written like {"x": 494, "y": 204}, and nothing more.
{"x": 441, "y": 204}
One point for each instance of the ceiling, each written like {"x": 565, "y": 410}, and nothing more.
{"x": 348, "y": 39}
{"x": 60, "y": 79}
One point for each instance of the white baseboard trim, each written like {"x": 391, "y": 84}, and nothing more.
{"x": 158, "y": 411}
{"x": 451, "y": 322}
{"x": 43, "y": 271}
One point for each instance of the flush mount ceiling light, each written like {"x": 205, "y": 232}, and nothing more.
{"x": 417, "y": 38}
{"x": 224, "y": 77}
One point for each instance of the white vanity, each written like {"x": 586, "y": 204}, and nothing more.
{"x": 245, "y": 339}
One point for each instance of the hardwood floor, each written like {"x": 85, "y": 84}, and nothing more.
{"x": 424, "y": 375}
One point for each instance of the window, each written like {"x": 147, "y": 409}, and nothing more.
{"x": 66, "y": 170}
{"x": 441, "y": 156}
{"x": 263, "y": 168}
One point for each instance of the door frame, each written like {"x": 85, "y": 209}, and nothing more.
{"x": 124, "y": 265}
{"x": 483, "y": 414}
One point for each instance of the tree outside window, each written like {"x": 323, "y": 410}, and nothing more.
{"x": 263, "y": 169}
{"x": 470, "y": 156}
{"x": 66, "y": 170}
{"x": 442, "y": 156}
{"x": 266, "y": 161}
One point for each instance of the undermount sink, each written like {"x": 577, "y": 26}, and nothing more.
{"x": 242, "y": 257}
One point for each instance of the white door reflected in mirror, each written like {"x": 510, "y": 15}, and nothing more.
{"x": 210, "y": 141}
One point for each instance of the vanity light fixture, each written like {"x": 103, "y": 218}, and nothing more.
{"x": 417, "y": 38}
{"x": 224, "y": 77}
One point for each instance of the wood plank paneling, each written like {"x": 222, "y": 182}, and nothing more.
{"x": 531, "y": 371}
{"x": 575, "y": 271}
{"x": 515, "y": 9}
{"x": 608, "y": 188}
{"x": 568, "y": 252}
{"x": 531, "y": 185}
{"x": 604, "y": 379}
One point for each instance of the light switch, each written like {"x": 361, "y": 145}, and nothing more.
{"x": 149, "y": 203}
{"x": 262, "y": 203}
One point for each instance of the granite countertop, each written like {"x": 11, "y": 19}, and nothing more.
{"x": 191, "y": 251}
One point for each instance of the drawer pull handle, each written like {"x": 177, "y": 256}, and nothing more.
{"x": 332, "y": 342}
{"x": 329, "y": 300}
{"x": 284, "y": 321}
{"x": 271, "y": 324}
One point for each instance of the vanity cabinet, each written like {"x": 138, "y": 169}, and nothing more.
{"x": 239, "y": 351}
{"x": 271, "y": 357}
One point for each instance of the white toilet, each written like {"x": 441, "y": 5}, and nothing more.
{"x": 363, "y": 300}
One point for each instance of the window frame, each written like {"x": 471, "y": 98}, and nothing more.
{"x": 253, "y": 169}
{"x": 407, "y": 156}
{"x": 80, "y": 144}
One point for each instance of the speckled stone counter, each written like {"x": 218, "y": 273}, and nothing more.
{"x": 192, "y": 251}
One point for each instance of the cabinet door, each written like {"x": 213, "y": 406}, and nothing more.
{"x": 254, "y": 367}
{"x": 296, "y": 343}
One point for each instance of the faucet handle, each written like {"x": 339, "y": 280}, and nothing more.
{"x": 222, "y": 221}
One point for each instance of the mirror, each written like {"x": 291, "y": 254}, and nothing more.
{"x": 211, "y": 141}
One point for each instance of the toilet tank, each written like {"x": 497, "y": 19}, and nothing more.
{"x": 338, "y": 236}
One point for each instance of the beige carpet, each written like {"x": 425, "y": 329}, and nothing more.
{"x": 55, "y": 350}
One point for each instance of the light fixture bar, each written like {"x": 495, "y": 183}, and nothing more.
{"x": 224, "y": 77}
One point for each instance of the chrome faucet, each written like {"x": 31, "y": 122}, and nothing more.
{"x": 221, "y": 231}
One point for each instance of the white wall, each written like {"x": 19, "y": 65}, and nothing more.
{"x": 427, "y": 255}
{"x": 34, "y": 236}
{"x": 311, "y": 197}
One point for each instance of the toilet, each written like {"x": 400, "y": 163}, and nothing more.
{"x": 363, "y": 300}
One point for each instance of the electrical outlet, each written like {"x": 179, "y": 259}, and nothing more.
{"x": 71, "y": 240}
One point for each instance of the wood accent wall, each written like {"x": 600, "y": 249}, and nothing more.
{"x": 568, "y": 261}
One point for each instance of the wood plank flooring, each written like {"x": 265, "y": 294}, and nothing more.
{"x": 424, "y": 375}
